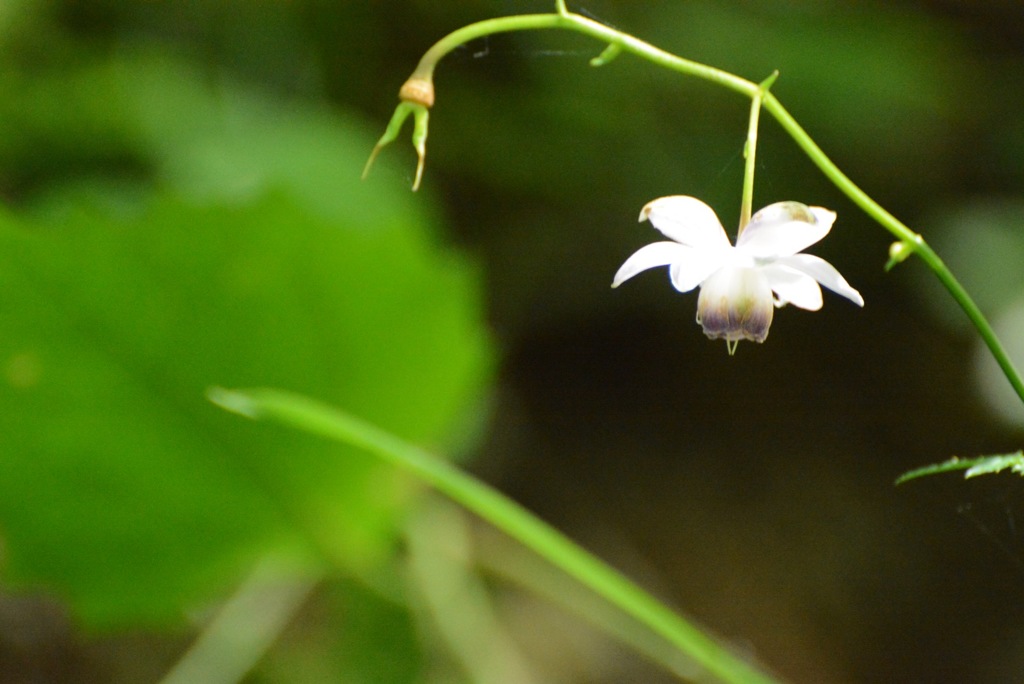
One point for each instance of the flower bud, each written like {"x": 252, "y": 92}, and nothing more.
{"x": 898, "y": 252}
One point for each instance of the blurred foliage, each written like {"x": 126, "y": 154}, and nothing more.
{"x": 183, "y": 209}
{"x": 170, "y": 231}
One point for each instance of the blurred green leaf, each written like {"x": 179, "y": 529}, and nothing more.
{"x": 120, "y": 487}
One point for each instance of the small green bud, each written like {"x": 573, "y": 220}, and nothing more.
{"x": 898, "y": 253}
{"x": 607, "y": 55}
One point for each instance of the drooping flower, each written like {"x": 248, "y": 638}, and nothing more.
{"x": 740, "y": 285}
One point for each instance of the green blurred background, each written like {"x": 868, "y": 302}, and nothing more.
{"x": 183, "y": 209}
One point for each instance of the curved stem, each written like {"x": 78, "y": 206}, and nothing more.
{"x": 975, "y": 315}
{"x": 627, "y": 43}
{"x": 838, "y": 178}
{"x": 589, "y": 27}
{"x": 505, "y": 514}
{"x": 913, "y": 240}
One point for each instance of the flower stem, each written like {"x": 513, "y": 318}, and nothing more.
{"x": 627, "y": 43}
{"x": 750, "y": 152}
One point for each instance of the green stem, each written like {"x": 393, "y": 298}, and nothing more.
{"x": 750, "y": 152}
{"x": 913, "y": 240}
{"x": 575, "y": 22}
{"x": 750, "y": 156}
{"x": 975, "y": 315}
{"x": 316, "y": 418}
{"x": 627, "y": 43}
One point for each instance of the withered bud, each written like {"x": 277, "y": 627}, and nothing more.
{"x": 418, "y": 91}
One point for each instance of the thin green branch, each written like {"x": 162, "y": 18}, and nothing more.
{"x": 316, "y": 418}
{"x": 912, "y": 240}
{"x": 580, "y": 24}
{"x": 975, "y": 315}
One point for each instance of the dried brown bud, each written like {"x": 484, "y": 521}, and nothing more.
{"x": 418, "y": 91}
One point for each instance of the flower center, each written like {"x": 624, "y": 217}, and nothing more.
{"x": 735, "y": 304}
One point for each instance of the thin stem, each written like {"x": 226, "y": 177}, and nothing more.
{"x": 627, "y": 43}
{"x": 904, "y": 234}
{"x": 750, "y": 152}
{"x": 580, "y": 24}
{"x": 506, "y": 515}
{"x": 838, "y": 178}
{"x": 750, "y": 156}
{"x": 975, "y": 315}
{"x": 244, "y": 628}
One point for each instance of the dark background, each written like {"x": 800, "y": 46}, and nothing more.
{"x": 755, "y": 492}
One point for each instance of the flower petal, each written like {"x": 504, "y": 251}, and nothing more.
{"x": 696, "y": 267}
{"x": 689, "y": 266}
{"x": 825, "y": 273}
{"x": 686, "y": 220}
{"x": 783, "y": 229}
{"x": 793, "y": 287}
{"x": 651, "y": 256}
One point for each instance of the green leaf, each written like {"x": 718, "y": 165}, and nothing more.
{"x": 985, "y": 465}
{"x": 121, "y": 488}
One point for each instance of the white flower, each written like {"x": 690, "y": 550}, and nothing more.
{"x": 737, "y": 283}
